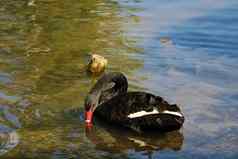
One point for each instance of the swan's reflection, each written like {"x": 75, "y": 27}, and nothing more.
{"x": 109, "y": 138}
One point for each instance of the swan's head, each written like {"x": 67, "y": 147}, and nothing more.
{"x": 91, "y": 102}
{"x": 107, "y": 86}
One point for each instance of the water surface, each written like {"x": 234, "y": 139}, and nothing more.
{"x": 183, "y": 51}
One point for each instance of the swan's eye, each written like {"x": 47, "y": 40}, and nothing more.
{"x": 87, "y": 107}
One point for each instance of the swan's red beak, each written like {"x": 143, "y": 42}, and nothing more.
{"x": 88, "y": 117}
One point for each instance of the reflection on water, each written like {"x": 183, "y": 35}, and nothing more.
{"x": 116, "y": 139}
{"x": 184, "y": 51}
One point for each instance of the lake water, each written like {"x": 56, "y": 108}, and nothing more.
{"x": 186, "y": 52}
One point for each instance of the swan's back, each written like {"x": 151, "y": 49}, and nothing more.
{"x": 141, "y": 111}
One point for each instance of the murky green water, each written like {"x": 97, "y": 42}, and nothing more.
{"x": 184, "y": 51}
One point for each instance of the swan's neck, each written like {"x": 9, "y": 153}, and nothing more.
{"x": 108, "y": 86}
{"x": 110, "y": 80}
{"x": 95, "y": 96}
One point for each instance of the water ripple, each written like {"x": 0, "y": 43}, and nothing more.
{"x": 9, "y": 139}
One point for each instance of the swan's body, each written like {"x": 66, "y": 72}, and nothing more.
{"x": 110, "y": 100}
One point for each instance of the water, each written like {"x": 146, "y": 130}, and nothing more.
{"x": 184, "y": 51}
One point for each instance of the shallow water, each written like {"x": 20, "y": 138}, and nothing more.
{"x": 184, "y": 51}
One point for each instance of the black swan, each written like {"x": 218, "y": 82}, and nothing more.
{"x": 140, "y": 111}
